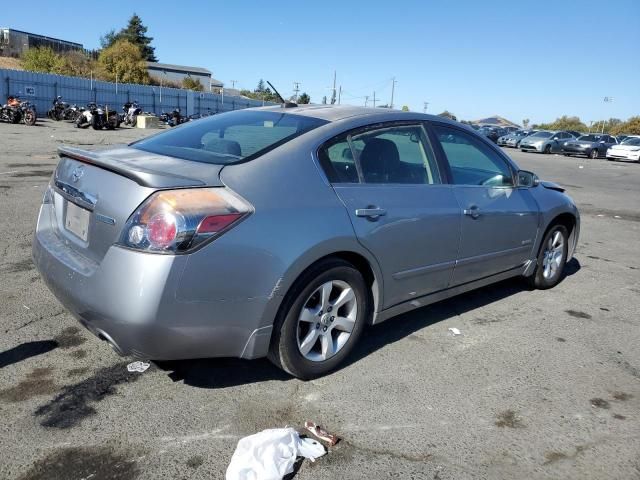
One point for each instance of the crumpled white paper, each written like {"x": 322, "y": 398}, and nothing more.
{"x": 271, "y": 454}
{"x": 138, "y": 366}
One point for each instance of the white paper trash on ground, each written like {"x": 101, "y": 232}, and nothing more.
{"x": 138, "y": 366}
{"x": 270, "y": 454}
{"x": 455, "y": 331}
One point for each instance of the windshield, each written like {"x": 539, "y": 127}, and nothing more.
{"x": 229, "y": 137}
{"x": 541, "y": 135}
{"x": 589, "y": 138}
{"x": 635, "y": 141}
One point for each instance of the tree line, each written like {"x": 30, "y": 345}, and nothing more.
{"x": 122, "y": 58}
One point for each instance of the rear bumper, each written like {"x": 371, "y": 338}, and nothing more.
{"x": 130, "y": 300}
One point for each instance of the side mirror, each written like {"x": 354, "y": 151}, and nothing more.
{"x": 527, "y": 179}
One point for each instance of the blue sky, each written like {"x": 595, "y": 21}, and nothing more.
{"x": 535, "y": 59}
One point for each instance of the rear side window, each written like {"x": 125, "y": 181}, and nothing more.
{"x": 471, "y": 161}
{"x": 390, "y": 155}
{"x": 229, "y": 137}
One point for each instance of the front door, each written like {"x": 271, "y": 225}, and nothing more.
{"x": 499, "y": 221}
{"x": 389, "y": 181}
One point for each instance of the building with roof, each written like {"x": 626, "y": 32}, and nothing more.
{"x": 496, "y": 121}
{"x": 13, "y": 43}
{"x": 169, "y": 73}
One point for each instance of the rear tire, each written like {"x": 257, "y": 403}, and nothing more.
{"x": 552, "y": 258}
{"x": 311, "y": 334}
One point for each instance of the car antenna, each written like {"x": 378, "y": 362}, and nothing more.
{"x": 285, "y": 103}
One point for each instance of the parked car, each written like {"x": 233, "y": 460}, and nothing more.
{"x": 592, "y": 145}
{"x": 575, "y": 133}
{"x": 285, "y": 232}
{"x": 492, "y": 133}
{"x": 629, "y": 149}
{"x": 513, "y": 139}
{"x": 545, "y": 141}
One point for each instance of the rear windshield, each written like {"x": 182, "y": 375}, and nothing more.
{"x": 229, "y": 137}
{"x": 632, "y": 141}
{"x": 541, "y": 135}
{"x": 589, "y": 138}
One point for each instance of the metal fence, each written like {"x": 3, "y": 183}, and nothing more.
{"x": 42, "y": 88}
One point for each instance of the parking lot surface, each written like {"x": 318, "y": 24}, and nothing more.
{"x": 540, "y": 384}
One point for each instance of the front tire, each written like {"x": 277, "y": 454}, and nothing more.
{"x": 547, "y": 149}
{"x": 594, "y": 154}
{"x": 321, "y": 319}
{"x": 551, "y": 258}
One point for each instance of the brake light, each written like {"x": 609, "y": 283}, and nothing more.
{"x": 178, "y": 221}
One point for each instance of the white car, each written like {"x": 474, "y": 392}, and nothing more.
{"x": 629, "y": 149}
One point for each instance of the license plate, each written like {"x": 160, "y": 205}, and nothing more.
{"x": 77, "y": 221}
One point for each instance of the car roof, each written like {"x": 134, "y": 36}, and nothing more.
{"x": 333, "y": 113}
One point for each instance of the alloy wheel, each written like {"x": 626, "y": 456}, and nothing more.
{"x": 327, "y": 320}
{"x": 552, "y": 257}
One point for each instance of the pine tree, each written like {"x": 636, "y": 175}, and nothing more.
{"x": 134, "y": 32}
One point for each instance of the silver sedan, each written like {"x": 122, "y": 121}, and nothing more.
{"x": 284, "y": 232}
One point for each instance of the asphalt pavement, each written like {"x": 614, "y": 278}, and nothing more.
{"x": 540, "y": 384}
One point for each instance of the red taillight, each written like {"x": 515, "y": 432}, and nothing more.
{"x": 162, "y": 230}
{"x": 177, "y": 221}
{"x": 216, "y": 223}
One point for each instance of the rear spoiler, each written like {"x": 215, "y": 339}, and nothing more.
{"x": 140, "y": 175}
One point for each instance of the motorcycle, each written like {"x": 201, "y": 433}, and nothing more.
{"x": 173, "y": 118}
{"x": 98, "y": 117}
{"x": 58, "y": 109}
{"x": 131, "y": 112}
{"x": 73, "y": 112}
{"x": 15, "y": 111}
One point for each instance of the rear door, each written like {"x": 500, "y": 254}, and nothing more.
{"x": 499, "y": 222}
{"x": 388, "y": 178}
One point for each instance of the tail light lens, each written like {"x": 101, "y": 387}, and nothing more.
{"x": 179, "y": 221}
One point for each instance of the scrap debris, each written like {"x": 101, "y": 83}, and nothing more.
{"x": 455, "y": 331}
{"x": 321, "y": 433}
{"x": 138, "y": 366}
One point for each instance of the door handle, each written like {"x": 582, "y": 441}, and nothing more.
{"x": 473, "y": 211}
{"x": 372, "y": 212}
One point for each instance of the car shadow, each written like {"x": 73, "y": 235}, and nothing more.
{"x": 26, "y": 350}
{"x": 215, "y": 373}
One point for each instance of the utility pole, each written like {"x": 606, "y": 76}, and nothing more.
{"x": 339, "y": 94}
{"x": 233, "y": 83}
{"x": 426, "y": 104}
{"x": 393, "y": 86}
{"x": 333, "y": 95}
{"x": 606, "y": 100}
{"x": 366, "y": 100}
{"x": 374, "y": 99}
{"x": 296, "y": 89}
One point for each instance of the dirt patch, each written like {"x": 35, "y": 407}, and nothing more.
{"x": 617, "y": 416}
{"x": 37, "y": 382}
{"x": 18, "y": 165}
{"x": 622, "y": 396}
{"x": 96, "y": 463}
{"x": 599, "y": 403}
{"x": 70, "y": 337}
{"x": 33, "y": 173}
{"x": 21, "y": 266}
{"x": 75, "y": 402}
{"x": 195, "y": 461}
{"x": 78, "y": 354}
{"x": 77, "y": 372}
{"x": 560, "y": 339}
{"x": 509, "y": 419}
{"x": 578, "y": 314}
{"x": 552, "y": 457}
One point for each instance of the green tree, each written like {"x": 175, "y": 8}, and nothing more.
{"x": 191, "y": 84}
{"x": 136, "y": 33}
{"x": 563, "y": 123}
{"x": 630, "y": 127}
{"x": 123, "y": 61}
{"x": 40, "y": 59}
{"x": 405, "y": 108}
{"x": 75, "y": 64}
{"x": 260, "y": 88}
{"x": 304, "y": 99}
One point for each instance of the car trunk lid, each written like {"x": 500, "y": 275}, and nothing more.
{"x": 95, "y": 192}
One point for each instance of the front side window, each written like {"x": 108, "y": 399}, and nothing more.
{"x": 229, "y": 137}
{"x": 471, "y": 161}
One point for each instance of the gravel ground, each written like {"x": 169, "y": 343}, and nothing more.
{"x": 539, "y": 384}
